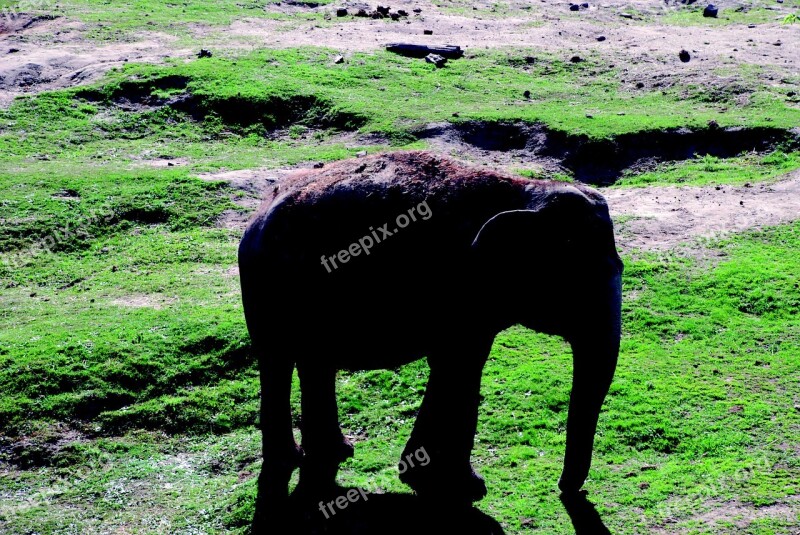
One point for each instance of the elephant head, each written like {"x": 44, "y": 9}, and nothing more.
{"x": 566, "y": 280}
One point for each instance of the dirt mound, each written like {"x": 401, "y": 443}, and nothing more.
{"x": 601, "y": 161}
{"x": 273, "y": 112}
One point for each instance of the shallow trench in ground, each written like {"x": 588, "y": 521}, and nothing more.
{"x": 650, "y": 218}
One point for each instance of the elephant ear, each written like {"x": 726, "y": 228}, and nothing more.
{"x": 563, "y": 231}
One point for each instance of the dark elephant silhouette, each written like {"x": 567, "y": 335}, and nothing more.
{"x": 378, "y": 261}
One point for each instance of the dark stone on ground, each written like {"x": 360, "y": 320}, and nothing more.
{"x": 341, "y": 12}
{"x": 711, "y": 11}
{"x": 436, "y": 59}
{"x": 204, "y": 53}
{"x": 684, "y": 55}
{"x": 427, "y": 32}
{"x": 574, "y": 7}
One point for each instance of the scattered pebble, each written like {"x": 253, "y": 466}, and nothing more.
{"x": 427, "y": 32}
{"x": 684, "y": 55}
{"x": 526, "y": 94}
{"x": 338, "y": 59}
{"x": 601, "y": 37}
{"x": 204, "y": 53}
{"x": 576, "y": 59}
{"x": 711, "y": 11}
{"x": 341, "y": 12}
{"x": 319, "y": 165}
{"x": 574, "y": 7}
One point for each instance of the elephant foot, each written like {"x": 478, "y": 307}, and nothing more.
{"x": 273, "y": 490}
{"x": 454, "y": 485}
{"x": 319, "y": 468}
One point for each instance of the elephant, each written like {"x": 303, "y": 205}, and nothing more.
{"x": 375, "y": 262}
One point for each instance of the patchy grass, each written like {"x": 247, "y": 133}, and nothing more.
{"x": 705, "y": 170}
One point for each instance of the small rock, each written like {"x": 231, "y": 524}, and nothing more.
{"x": 585, "y": 5}
{"x": 713, "y": 125}
{"x": 741, "y": 203}
{"x": 601, "y": 37}
{"x": 362, "y": 13}
{"x": 204, "y": 53}
{"x": 417, "y": 10}
{"x": 361, "y": 153}
{"x": 530, "y": 60}
{"x": 33, "y": 294}
{"x": 319, "y": 165}
{"x": 436, "y": 59}
{"x": 684, "y": 55}
{"x": 455, "y": 114}
{"x": 170, "y": 164}
{"x": 526, "y": 94}
{"x": 574, "y": 7}
{"x": 394, "y": 16}
{"x": 791, "y": 94}
{"x": 646, "y": 467}
{"x": 797, "y": 407}
{"x": 626, "y": 15}
{"x": 639, "y": 85}
{"x": 751, "y": 25}
{"x": 576, "y": 59}
{"x": 402, "y": 12}
{"x": 644, "y": 485}
{"x": 341, "y": 12}
{"x": 589, "y": 116}
{"x": 427, "y": 32}
{"x": 777, "y": 43}
{"x": 711, "y": 11}
{"x": 338, "y": 59}
{"x": 382, "y": 10}
{"x": 13, "y": 50}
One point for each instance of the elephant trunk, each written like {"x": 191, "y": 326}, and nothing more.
{"x": 594, "y": 352}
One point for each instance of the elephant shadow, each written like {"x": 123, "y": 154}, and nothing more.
{"x": 405, "y": 514}
{"x": 388, "y": 514}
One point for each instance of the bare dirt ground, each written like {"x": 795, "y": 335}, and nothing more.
{"x": 38, "y": 52}
{"x": 29, "y": 66}
{"x": 659, "y": 218}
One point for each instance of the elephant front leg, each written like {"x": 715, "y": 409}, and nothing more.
{"x": 436, "y": 459}
{"x": 324, "y": 444}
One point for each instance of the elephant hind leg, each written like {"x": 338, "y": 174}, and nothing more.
{"x": 436, "y": 459}
{"x": 324, "y": 444}
{"x": 280, "y": 451}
